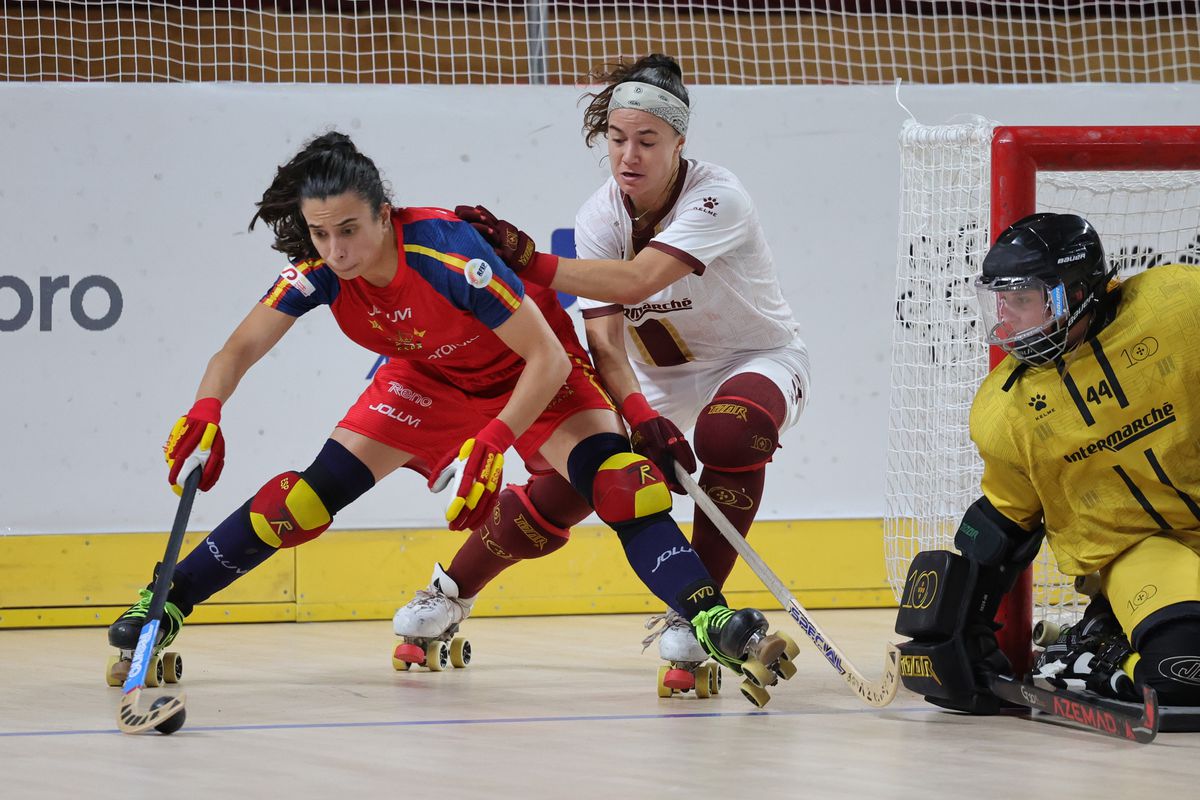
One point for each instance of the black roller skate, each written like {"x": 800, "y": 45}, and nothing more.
{"x": 123, "y": 635}
{"x": 738, "y": 640}
{"x": 1088, "y": 655}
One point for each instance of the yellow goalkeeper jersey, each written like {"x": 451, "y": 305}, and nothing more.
{"x": 1105, "y": 446}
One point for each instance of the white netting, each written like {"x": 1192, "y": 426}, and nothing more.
{"x": 938, "y": 354}
{"x": 519, "y": 41}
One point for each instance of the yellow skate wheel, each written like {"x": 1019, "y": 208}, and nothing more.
{"x": 1046, "y": 632}
{"x": 714, "y": 685}
{"x": 663, "y": 689}
{"x": 755, "y": 694}
{"x": 173, "y": 667}
{"x": 790, "y": 648}
{"x": 757, "y": 673}
{"x": 703, "y": 681}
{"x": 460, "y": 652}
{"x": 437, "y": 656}
{"x": 785, "y": 668}
{"x": 117, "y": 671}
{"x": 399, "y": 664}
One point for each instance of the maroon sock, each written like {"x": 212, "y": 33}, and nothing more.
{"x": 738, "y": 495}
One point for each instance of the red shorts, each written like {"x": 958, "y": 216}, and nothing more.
{"x": 417, "y": 411}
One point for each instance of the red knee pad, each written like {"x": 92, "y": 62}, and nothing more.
{"x": 287, "y": 512}
{"x": 515, "y": 531}
{"x": 734, "y": 434}
{"x": 628, "y": 487}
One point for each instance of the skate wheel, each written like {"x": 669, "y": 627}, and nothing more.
{"x": 1046, "y": 632}
{"x": 663, "y": 689}
{"x": 155, "y": 674}
{"x": 399, "y": 665}
{"x": 714, "y": 679}
{"x": 407, "y": 654}
{"x": 1088, "y": 584}
{"x": 437, "y": 656}
{"x": 785, "y": 668}
{"x": 790, "y": 648}
{"x": 755, "y": 694}
{"x": 679, "y": 679}
{"x": 117, "y": 671}
{"x": 757, "y": 674}
{"x": 173, "y": 667}
{"x": 703, "y": 681}
{"x": 460, "y": 652}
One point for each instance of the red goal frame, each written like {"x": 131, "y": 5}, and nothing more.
{"x": 1018, "y": 153}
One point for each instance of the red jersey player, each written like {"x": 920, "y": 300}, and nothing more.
{"x": 474, "y": 368}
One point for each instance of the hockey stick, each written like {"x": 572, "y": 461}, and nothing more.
{"x": 877, "y": 694}
{"x": 1141, "y": 728}
{"x": 130, "y": 718}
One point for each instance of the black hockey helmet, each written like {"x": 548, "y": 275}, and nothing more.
{"x": 1043, "y": 274}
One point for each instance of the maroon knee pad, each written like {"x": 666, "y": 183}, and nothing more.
{"x": 739, "y": 429}
{"x": 516, "y": 531}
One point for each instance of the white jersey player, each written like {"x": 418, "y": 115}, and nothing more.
{"x": 685, "y": 318}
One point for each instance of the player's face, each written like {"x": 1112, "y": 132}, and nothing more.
{"x": 349, "y": 236}
{"x": 643, "y": 153}
{"x": 1021, "y": 310}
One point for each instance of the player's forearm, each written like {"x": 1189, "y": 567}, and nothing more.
{"x": 544, "y": 374}
{"x": 606, "y": 280}
{"x": 224, "y": 372}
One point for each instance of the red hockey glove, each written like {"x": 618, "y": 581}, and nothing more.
{"x": 514, "y": 246}
{"x": 658, "y": 439}
{"x": 474, "y": 473}
{"x": 196, "y": 440}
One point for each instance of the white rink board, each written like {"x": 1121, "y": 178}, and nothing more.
{"x": 151, "y": 187}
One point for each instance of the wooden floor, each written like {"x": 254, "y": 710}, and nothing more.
{"x": 551, "y": 707}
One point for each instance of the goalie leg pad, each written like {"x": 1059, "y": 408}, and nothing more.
{"x": 935, "y": 592}
{"x": 734, "y": 433}
{"x": 1169, "y": 653}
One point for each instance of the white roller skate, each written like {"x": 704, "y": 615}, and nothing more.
{"x": 685, "y": 669}
{"x": 427, "y": 625}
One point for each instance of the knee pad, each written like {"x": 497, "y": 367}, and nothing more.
{"x": 622, "y": 486}
{"x": 515, "y": 531}
{"x": 1169, "y": 659}
{"x": 734, "y": 434}
{"x": 286, "y": 511}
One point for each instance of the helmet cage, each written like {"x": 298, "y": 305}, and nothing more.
{"x": 1028, "y": 317}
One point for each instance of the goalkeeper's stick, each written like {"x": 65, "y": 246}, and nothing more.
{"x": 878, "y": 693}
{"x": 1139, "y": 727}
{"x": 131, "y": 718}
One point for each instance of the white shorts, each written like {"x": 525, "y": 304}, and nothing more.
{"x": 680, "y": 392}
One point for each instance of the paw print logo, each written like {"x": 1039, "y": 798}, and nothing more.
{"x": 711, "y": 202}
{"x": 1038, "y": 401}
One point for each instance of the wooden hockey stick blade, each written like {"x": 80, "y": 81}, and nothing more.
{"x": 878, "y": 693}
{"x": 131, "y": 719}
{"x": 1065, "y": 704}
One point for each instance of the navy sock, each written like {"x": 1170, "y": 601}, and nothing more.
{"x": 661, "y": 556}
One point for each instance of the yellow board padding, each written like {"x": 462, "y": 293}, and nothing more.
{"x": 80, "y": 580}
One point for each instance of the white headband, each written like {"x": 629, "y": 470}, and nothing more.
{"x": 653, "y": 100}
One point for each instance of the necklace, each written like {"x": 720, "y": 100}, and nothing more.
{"x": 666, "y": 192}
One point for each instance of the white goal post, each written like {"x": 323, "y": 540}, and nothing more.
{"x": 961, "y": 185}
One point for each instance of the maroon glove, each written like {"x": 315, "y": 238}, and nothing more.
{"x": 196, "y": 440}
{"x": 513, "y": 245}
{"x": 475, "y": 471}
{"x": 657, "y": 438}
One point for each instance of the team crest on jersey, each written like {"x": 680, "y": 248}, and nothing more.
{"x": 478, "y": 272}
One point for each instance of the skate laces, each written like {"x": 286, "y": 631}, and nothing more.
{"x": 703, "y": 624}
{"x": 172, "y": 619}
{"x": 433, "y": 597}
{"x": 665, "y": 622}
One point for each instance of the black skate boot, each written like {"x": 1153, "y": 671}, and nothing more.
{"x": 739, "y": 641}
{"x": 1088, "y": 655}
{"x": 123, "y": 635}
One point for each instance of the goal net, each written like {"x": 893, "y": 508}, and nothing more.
{"x": 953, "y": 202}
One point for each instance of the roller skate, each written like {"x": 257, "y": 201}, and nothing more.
{"x": 685, "y": 669}
{"x": 427, "y": 624}
{"x": 738, "y": 640}
{"x": 123, "y": 635}
{"x": 1089, "y": 655}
